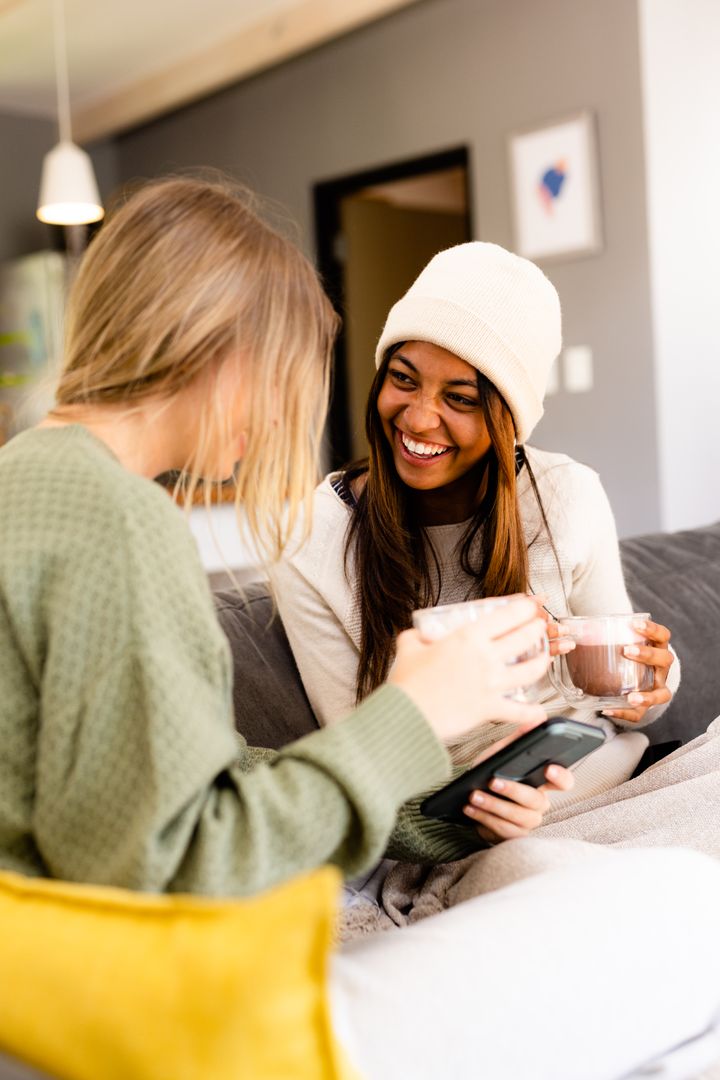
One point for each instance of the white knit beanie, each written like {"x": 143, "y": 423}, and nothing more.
{"x": 491, "y": 308}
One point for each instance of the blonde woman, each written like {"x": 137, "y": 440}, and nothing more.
{"x": 197, "y": 336}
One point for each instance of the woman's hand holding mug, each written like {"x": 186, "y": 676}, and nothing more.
{"x": 619, "y": 665}
{"x": 461, "y": 680}
{"x": 657, "y": 655}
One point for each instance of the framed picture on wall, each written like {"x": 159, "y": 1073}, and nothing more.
{"x": 555, "y": 191}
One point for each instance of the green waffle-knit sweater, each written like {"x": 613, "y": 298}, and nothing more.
{"x": 119, "y": 762}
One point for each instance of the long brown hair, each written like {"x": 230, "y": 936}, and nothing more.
{"x": 392, "y": 562}
{"x": 184, "y": 275}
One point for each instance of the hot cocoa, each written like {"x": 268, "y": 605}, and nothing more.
{"x": 597, "y": 670}
{"x": 603, "y": 671}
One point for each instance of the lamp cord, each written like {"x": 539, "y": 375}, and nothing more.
{"x": 61, "y": 72}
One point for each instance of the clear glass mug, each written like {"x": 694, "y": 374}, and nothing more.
{"x": 434, "y": 623}
{"x": 596, "y": 672}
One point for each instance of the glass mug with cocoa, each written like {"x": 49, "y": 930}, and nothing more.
{"x": 435, "y": 622}
{"x": 597, "y": 672}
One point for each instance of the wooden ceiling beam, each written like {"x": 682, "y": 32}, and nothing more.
{"x": 8, "y": 5}
{"x": 274, "y": 39}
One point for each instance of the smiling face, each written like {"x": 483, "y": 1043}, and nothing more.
{"x": 432, "y": 416}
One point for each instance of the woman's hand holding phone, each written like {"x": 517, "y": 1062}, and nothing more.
{"x": 517, "y": 808}
{"x": 461, "y": 681}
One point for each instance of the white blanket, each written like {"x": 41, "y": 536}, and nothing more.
{"x": 676, "y": 803}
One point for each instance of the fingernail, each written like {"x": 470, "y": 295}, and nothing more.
{"x": 636, "y": 699}
{"x": 498, "y": 785}
{"x": 632, "y": 650}
{"x": 609, "y": 712}
{"x": 552, "y": 772}
{"x": 640, "y": 624}
{"x": 476, "y": 799}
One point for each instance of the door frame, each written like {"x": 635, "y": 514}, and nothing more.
{"x": 327, "y": 197}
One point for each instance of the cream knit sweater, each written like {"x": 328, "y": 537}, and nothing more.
{"x": 320, "y": 612}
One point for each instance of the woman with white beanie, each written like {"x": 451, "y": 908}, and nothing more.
{"x": 452, "y": 504}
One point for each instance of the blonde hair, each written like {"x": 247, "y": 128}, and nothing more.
{"x": 184, "y": 275}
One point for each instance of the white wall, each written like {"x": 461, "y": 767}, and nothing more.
{"x": 219, "y": 541}
{"x": 680, "y": 48}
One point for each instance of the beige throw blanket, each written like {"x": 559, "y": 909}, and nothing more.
{"x": 676, "y": 803}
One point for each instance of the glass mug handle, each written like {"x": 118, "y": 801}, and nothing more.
{"x": 542, "y": 646}
{"x": 570, "y": 693}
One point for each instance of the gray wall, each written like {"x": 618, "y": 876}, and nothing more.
{"x": 24, "y": 141}
{"x": 451, "y": 72}
{"x": 104, "y": 158}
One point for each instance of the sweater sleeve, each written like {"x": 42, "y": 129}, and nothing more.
{"x": 418, "y": 839}
{"x": 142, "y": 781}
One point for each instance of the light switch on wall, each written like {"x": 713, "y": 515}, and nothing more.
{"x": 578, "y": 369}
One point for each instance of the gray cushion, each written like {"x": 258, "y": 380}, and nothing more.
{"x": 11, "y": 1069}
{"x": 676, "y": 577}
{"x": 271, "y": 706}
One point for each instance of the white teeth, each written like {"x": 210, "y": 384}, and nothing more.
{"x": 426, "y": 449}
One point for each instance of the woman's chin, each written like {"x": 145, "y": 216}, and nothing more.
{"x": 423, "y": 478}
{"x": 228, "y": 474}
{"x": 223, "y": 472}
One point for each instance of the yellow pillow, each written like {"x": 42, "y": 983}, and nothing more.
{"x": 104, "y": 984}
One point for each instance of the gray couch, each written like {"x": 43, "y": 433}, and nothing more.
{"x": 675, "y": 576}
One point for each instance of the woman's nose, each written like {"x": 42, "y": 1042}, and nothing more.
{"x": 421, "y": 415}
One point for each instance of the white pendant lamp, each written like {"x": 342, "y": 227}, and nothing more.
{"x": 68, "y": 191}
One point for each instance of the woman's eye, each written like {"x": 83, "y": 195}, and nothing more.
{"x": 458, "y": 399}
{"x": 400, "y": 376}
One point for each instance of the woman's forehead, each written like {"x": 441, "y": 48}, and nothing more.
{"x": 434, "y": 361}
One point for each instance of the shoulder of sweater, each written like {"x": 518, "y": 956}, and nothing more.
{"x": 573, "y": 500}
{"x": 80, "y": 517}
{"x": 322, "y": 554}
{"x": 74, "y": 471}
{"x": 559, "y": 475}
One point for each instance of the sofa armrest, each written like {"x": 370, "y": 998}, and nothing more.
{"x": 676, "y": 577}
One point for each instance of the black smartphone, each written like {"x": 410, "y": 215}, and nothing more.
{"x": 557, "y": 741}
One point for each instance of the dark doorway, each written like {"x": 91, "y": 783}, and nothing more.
{"x": 375, "y": 230}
